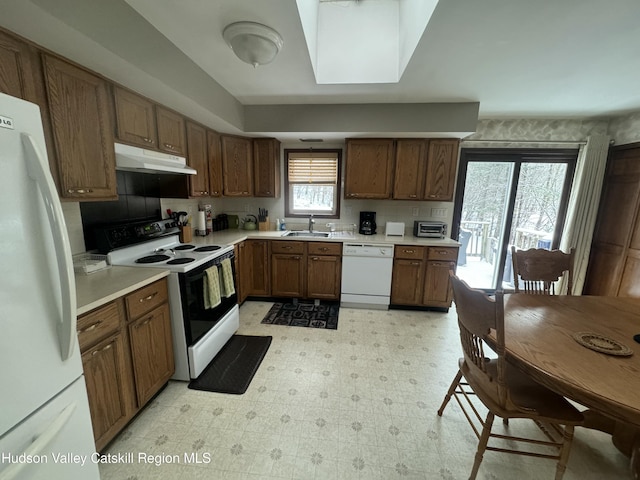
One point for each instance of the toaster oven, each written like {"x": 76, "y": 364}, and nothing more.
{"x": 429, "y": 229}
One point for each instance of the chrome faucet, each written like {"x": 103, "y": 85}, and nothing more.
{"x": 311, "y": 222}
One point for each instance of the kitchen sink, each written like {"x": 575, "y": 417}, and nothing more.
{"x": 306, "y": 233}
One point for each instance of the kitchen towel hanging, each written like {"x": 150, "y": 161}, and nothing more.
{"x": 211, "y": 288}
{"x": 226, "y": 279}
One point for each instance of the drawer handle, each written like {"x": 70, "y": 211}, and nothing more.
{"x": 91, "y": 327}
{"x": 146, "y": 299}
{"x": 287, "y": 247}
{"x": 442, "y": 252}
{"x": 80, "y": 190}
{"x": 409, "y": 251}
{"x": 415, "y": 263}
{"x": 101, "y": 350}
{"x": 413, "y": 195}
{"x": 315, "y": 258}
{"x": 169, "y": 146}
{"x": 324, "y": 249}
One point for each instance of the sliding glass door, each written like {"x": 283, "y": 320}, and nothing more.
{"x": 508, "y": 198}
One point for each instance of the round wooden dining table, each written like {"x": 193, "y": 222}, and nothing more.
{"x": 540, "y": 333}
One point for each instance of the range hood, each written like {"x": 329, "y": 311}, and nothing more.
{"x": 138, "y": 159}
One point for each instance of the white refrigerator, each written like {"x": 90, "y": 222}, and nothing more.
{"x": 45, "y": 426}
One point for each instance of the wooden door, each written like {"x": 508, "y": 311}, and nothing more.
{"x": 437, "y": 287}
{"x": 411, "y": 158}
{"x": 82, "y": 130}
{"x": 324, "y": 274}
{"x": 266, "y": 167}
{"x": 151, "y": 352}
{"x": 287, "y": 275}
{"x": 237, "y": 166}
{"x": 442, "y": 161}
{"x": 369, "y": 168}
{"x": 257, "y": 267}
{"x": 197, "y": 159}
{"x": 171, "y": 132}
{"x": 135, "y": 119}
{"x": 407, "y": 281}
{"x": 16, "y": 68}
{"x": 214, "y": 156}
{"x": 105, "y": 375}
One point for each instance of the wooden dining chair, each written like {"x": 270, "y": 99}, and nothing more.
{"x": 503, "y": 390}
{"x": 540, "y": 269}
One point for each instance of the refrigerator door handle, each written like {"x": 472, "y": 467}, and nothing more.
{"x": 36, "y": 164}
{"x": 40, "y": 442}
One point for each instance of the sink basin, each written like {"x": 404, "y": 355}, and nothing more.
{"x": 306, "y": 233}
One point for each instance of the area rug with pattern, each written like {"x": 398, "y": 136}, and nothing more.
{"x": 304, "y": 314}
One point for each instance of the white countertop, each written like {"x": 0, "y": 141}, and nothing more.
{"x": 99, "y": 288}
{"x": 230, "y": 237}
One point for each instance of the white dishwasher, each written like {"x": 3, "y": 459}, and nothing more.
{"x": 366, "y": 275}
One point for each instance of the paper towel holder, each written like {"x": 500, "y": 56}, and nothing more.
{"x": 201, "y": 224}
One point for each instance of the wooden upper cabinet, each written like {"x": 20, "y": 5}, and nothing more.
{"x": 266, "y": 167}
{"x": 171, "y": 132}
{"x": 135, "y": 119}
{"x": 80, "y": 112}
{"x": 369, "y": 168}
{"x": 214, "y": 157}
{"x": 197, "y": 159}
{"x": 441, "y": 169}
{"x": 411, "y": 159}
{"x": 237, "y": 166}
{"x": 16, "y": 71}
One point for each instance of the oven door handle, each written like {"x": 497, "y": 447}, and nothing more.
{"x": 36, "y": 162}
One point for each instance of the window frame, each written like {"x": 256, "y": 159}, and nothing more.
{"x": 287, "y": 190}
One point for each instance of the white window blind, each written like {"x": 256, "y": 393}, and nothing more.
{"x": 313, "y": 168}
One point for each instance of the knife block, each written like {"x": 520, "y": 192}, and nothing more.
{"x": 264, "y": 226}
{"x": 186, "y": 234}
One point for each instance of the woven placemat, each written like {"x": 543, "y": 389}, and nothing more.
{"x": 602, "y": 344}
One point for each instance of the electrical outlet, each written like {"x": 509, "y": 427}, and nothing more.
{"x": 415, "y": 211}
{"x": 439, "y": 212}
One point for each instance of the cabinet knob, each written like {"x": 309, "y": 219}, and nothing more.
{"x": 148, "y": 140}
{"x": 216, "y": 193}
{"x": 413, "y": 195}
{"x": 315, "y": 258}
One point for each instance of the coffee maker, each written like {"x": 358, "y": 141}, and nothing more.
{"x": 368, "y": 223}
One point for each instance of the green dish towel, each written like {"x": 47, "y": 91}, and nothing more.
{"x": 226, "y": 279}
{"x": 211, "y": 286}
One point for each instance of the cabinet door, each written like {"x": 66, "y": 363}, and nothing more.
{"x": 369, "y": 168}
{"x": 171, "y": 132}
{"x": 437, "y": 287}
{"x": 16, "y": 71}
{"x": 241, "y": 270}
{"x": 266, "y": 167}
{"x": 214, "y": 156}
{"x": 82, "y": 130}
{"x": 151, "y": 352}
{"x": 407, "y": 281}
{"x": 604, "y": 270}
{"x": 411, "y": 158}
{"x": 287, "y": 275}
{"x": 197, "y": 159}
{"x": 257, "y": 267}
{"x": 323, "y": 277}
{"x": 106, "y": 374}
{"x": 135, "y": 119}
{"x": 442, "y": 160}
{"x": 237, "y": 166}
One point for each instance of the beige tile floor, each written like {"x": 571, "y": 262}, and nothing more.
{"x": 359, "y": 402}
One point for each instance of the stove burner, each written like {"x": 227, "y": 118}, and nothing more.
{"x": 178, "y": 261}
{"x": 184, "y": 246}
{"x": 208, "y": 248}
{"x": 152, "y": 259}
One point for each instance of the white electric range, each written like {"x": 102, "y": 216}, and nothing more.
{"x": 199, "y": 332}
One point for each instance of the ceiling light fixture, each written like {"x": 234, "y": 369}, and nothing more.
{"x": 253, "y": 43}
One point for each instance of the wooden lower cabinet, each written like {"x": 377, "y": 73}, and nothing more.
{"x": 108, "y": 377}
{"x": 421, "y": 276}
{"x": 256, "y": 268}
{"x": 151, "y": 352}
{"x": 126, "y": 360}
{"x": 287, "y": 275}
{"x": 324, "y": 274}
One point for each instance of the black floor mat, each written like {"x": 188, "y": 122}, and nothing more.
{"x": 232, "y": 370}
{"x": 304, "y": 313}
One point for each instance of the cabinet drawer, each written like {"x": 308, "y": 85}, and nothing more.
{"x": 285, "y": 246}
{"x": 409, "y": 252}
{"x": 146, "y": 298}
{"x": 324, "y": 248}
{"x": 97, "y": 324}
{"x": 442, "y": 253}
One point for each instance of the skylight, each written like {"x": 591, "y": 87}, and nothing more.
{"x": 362, "y": 41}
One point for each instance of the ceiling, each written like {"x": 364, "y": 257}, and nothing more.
{"x": 501, "y": 58}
